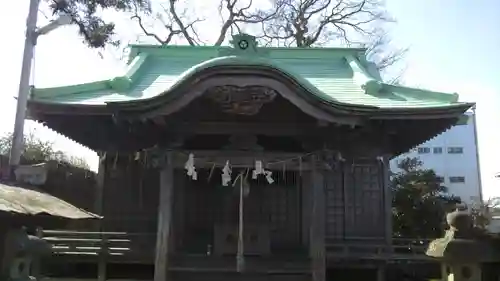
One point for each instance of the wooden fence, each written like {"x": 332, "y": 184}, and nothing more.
{"x": 138, "y": 248}
{"x": 373, "y": 249}
{"x": 100, "y": 247}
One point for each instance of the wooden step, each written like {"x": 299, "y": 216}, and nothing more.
{"x": 194, "y": 263}
{"x": 234, "y": 276}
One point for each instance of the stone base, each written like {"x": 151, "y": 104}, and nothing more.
{"x": 461, "y": 272}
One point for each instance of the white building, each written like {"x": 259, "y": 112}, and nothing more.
{"x": 453, "y": 156}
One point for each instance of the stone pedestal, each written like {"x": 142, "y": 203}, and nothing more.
{"x": 20, "y": 250}
{"x": 461, "y": 272}
{"x": 463, "y": 250}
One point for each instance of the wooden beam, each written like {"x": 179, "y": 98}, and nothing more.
{"x": 230, "y": 128}
{"x": 422, "y": 115}
{"x": 159, "y": 120}
{"x": 246, "y": 78}
{"x": 244, "y": 159}
{"x": 317, "y": 236}
{"x": 243, "y": 154}
{"x": 36, "y": 109}
{"x": 164, "y": 220}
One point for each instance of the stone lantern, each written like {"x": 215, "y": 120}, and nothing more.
{"x": 21, "y": 206}
{"x": 20, "y": 250}
{"x": 463, "y": 251}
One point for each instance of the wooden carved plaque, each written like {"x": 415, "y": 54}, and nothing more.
{"x": 241, "y": 100}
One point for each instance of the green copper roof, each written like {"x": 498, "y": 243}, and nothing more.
{"x": 333, "y": 75}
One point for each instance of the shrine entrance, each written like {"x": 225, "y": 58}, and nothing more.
{"x": 271, "y": 214}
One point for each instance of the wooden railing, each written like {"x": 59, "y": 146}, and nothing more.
{"x": 103, "y": 248}
{"x": 100, "y": 247}
{"x": 132, "y": 246}
{"x": 122, "y": 247}
{"x": 372, "y": 248}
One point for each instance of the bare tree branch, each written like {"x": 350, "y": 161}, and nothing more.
{"x": 307, "y": 23}
{"x": 237, "y": 16}
{"x": 172, "y": 23}
{"x": 299, "y": 23}
{"x": 381, "y": 52}
{"x": 233, "y": 14}
{"x": 183, "y": 28}
{"x": 229, "y": 5}
{"x": 137, "y": 17}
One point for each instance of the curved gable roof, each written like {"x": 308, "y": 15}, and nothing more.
{"x": 335, "y": 76}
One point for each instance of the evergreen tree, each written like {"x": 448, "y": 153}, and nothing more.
{"x": 86, "y": 14}
{"x": 420, "y": 201}
{"x": 36, "y": 150}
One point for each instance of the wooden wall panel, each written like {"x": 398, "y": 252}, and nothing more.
{"x": 335, "y": 205}
{"x": 130, "y": 202}
{"x": 355, "y": 201}
{"x": 276, "y": 206}
{"x": 306, "y": 206}
{"x": 364, "y": 200}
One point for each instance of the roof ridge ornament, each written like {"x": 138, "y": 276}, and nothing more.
{"x": 370, "y": 84}
{"x": 120, "y": 83}
{"x": 242, "y": 45}
{"x": 244, "y": 42}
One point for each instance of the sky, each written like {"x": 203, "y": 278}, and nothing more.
{"x": 453, "y": 47}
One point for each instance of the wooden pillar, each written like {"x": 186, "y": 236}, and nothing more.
{"x": 164, "y": 219}
{"x": 99, "y": 190}
{"x": 317, "y": 235}
{"x": 4, "y": 262}
{"x": 381, "y": 272}
{"x": 306, "y": 197}
{"x": 240, "y": 255}
{"x": 386, "y": 180}
{"x": 102, "y": 265}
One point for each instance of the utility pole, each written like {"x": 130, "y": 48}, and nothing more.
{"x": 479, "y": 182}
{"x": 24, "y": 86}
{"x": 32, "y": 34}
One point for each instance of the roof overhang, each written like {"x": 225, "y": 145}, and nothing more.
{"x": 297, "y": 92}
